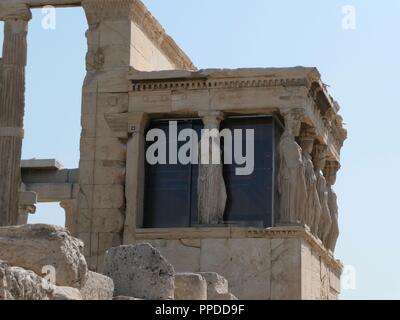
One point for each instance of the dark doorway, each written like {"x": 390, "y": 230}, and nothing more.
{"x": 171, "y": 189}
{"x": 251, "y": 198}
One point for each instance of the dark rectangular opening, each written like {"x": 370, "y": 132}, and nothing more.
{"x": 171, "y": 189}
{"x": 251, "y": 198}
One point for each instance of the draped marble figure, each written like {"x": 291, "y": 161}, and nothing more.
{"x": 291, "y": 181}
{"x": 313, "y": 205}
{"x": 330, "y": 173}
{"x": 325, "y": 220}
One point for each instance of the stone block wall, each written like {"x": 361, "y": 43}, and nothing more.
{"x": 122, "y": 37}
{"x": 273, "y": 264}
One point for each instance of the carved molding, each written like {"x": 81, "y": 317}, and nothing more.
{"x": 228, "y": 83}
{"x": 328, "y": 126}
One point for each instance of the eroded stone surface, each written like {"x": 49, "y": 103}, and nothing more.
{"x": 97, "y": 287}
{"x": 225, "y": 296}
{"x": 190, "y": 286}
{"x": 19, "y": 284}
{"x": 246, "y": 263}
{"x": 125, "y": 298}
{"x": 66, "y": 293}
{"x": 217, "y": 285}
{"x": 140, "y": 271}
{"x": 35, "y": 247}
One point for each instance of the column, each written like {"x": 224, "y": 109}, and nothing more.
{"x": 135, "y": 167}
{"x": 211, "y": 184}
{"x": 292, "y": 186}
{"x": 330, "y": 172}
{"x": 12, "y": 103}
{"x": 313, "y": 206}
{"x": 70, "y": 207}
{"x": 27, "y": 201}
{"x": 320, "y": 157}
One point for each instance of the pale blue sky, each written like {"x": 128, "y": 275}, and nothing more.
{"x": 361, "y": 66}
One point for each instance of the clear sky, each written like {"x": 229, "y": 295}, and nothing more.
{"x": 360, "y": 65}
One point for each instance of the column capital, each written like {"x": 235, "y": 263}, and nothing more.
{"x": 14, "y": 10}
{"x": 320, "y": 156}
{"x": 27, "y": 201}
{"x": 70, "y": 207}
{"x": 293, "y": 120}
{"x": 293, "y": 112}
{"x": 330, "y": 171}
{"x": 211, "y": 119}
{"x": 97, "y": 10}
{"x": 308, "y": 134}
{"x": 307, "y": 138}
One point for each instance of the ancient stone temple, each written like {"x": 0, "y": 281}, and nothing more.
{"x": 271, "y": 233}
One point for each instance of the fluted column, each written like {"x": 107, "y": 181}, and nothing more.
{"x": 211, "y": 184}
{"x": 12, "y": 103}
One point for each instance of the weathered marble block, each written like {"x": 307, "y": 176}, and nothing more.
{"x": 217, "y": 285}
{"x": 41, "y": 247}
{"x": 97, "y": 287}
{"x": 140, "y": 271}
{"x": 20, "y": 284}
{"x": 66, "y": 293}
{"x": 190, "y": 286}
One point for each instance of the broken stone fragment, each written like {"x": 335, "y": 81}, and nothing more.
{"x": 190, "y": 286}
{"x": 66, "y": 293}
{"x": 124, "y": 298}
{"x": 217, "y": 287}
{"x": 140, "y": 271}
{"x": 19, "y": 284}
{"x": 97, "y": 287}
{"x": 225, "y": 296}
{"x": 45, "y": 249}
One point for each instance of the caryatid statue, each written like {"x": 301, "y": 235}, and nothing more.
{"x": 313, "y": 205}
{"x": 325, "y": 221}
{"x": 211, "y": 185}
{"x": 330, "y": 171}
{"x": 291, "y": 181}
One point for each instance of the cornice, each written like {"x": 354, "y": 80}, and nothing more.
{"x": 320, "y": 109}
{"x": 228, "y": 83}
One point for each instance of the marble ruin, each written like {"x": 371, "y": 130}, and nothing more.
{"x": 273, "y": 239}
